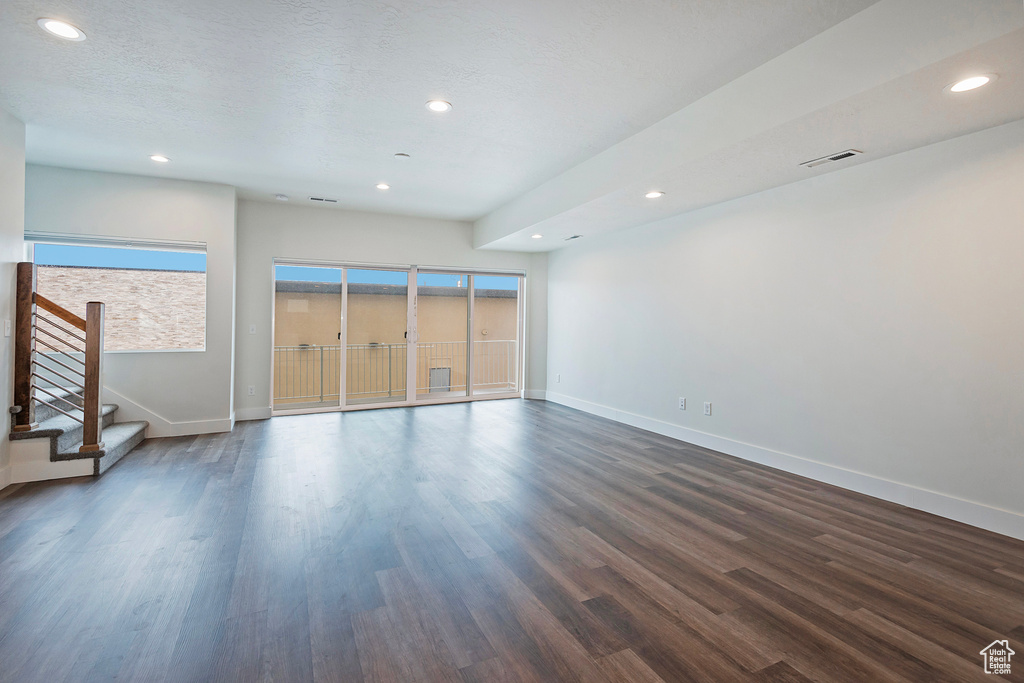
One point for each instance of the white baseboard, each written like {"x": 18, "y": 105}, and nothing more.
{"x": 969, "y": 512}
{"x": 245, "y": 414}
{"x": 535, "y": 394}
{"x": 158, "y": 425}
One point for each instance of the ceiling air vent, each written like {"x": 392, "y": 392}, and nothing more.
{"x": 838, "y": 156}
{"x": 321, "y": 199}
{"x": 570, "y": 238}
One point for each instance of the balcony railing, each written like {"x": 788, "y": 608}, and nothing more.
{"x": 377, "y": 372}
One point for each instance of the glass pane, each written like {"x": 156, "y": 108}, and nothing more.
{"x": 154, "y": 300}
{"x": 377, "y": 319}
{"x": 495, "y": 334}
{"x": 307, "y": 322}
{"x": 442, "y": 319}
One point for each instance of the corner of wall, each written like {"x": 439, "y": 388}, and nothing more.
{"x": 12, "y": 239}
{"x": 234, "y": 311}
{"x": 537, "y": 326}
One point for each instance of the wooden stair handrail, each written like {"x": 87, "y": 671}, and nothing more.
{"x": 24, "y": 419}
{"x": 92, "y": 432}
{"x": 59, "y": 311}
{"x": 24, "y": 358}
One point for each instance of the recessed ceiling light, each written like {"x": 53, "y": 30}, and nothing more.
{"x": 654, "y": 194}
{"x": 536, "y": 237}
{"x": 383, "y": 186}
{"x": 439, "y": 106}
{"x": 971, "y": 83}
{"x": 159, "y": 158}
{"x": 61, "y": 29}
{"x": 281, "y": 197}
{"x": 402, "y": 156}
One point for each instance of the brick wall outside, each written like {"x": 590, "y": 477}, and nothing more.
{"x": 145, "y": 309}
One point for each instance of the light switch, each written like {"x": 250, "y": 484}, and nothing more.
{"x": 7, "y": 328}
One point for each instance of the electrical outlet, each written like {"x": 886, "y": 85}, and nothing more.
{"x": 682, "y": 403}
{"x": 7, "y": 328}
{"x": 252, "y": 389}
{"x": 707, "y": 408}
{"x": 558, "y": 378}
{"x": 252, "y": 329}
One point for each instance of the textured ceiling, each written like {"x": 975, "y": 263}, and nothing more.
{"x": 314, "y": 98}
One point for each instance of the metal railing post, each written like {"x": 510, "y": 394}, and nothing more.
{"x": 321, "y": 374}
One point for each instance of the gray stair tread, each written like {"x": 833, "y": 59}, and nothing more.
{"x": 113, "y": 436}
{"x": 44, "y": 412}
{"x": 58, "y": 424}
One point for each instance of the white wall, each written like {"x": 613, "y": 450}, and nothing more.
{"x": 865, "y": 327}
{"x": 268, "y": 230}
{"x": 180, "y": 392}
{"x": 12, "y": 227}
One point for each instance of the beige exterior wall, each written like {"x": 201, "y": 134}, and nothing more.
{"x": 376, "y": 356}
{"x": 315, "y": 319}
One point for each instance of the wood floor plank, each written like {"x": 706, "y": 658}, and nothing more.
{"x": 626, "y": 667}
{"x": 781, "y": 672}
{"x": 417, "y": 636}
{"x": 493, "y": 541}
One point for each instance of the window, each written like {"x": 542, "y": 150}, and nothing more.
{"x": 393, "y": 335}
{"x": 154, "y": 295}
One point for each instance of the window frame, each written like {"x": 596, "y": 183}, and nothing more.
{"x": 413, "y": 338}
{"x": 32, "y": 238}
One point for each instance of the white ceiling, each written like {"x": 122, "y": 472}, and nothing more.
{"x": 565, "y": 112}
{"x": 876, "y": 83}
{"x": 311, "y": 97}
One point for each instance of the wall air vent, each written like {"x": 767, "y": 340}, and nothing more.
{"x": 321, "y": 199}
{"x": 570, "y": 238}
{"x": 838, "y": 156}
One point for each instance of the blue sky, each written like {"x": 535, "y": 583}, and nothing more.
{"x": 391, "y": 277}
{"x": 110, "y": 257}
{"x": 64, "y": 255}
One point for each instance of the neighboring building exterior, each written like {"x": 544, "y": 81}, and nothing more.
{"x": 307, "y": 321}
{"x": 145, "y": 310}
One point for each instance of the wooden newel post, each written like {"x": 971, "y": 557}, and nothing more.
{"x": 24, "y": 308}
{"x": 93, "y": 431}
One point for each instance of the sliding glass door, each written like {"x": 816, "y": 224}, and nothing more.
{"x": 376, "y": 336}
{"x": 348, "y": 337}
{"x": 307, "y": 337}
{"x": 496, "y": 317}
{"x": 442, "y": 314}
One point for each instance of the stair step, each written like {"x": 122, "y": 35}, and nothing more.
{"x": 65, "y": 435}
{"x": 45, "y": 412}
{"x": 118, "y": 440}
{"x": 66, "y": 430}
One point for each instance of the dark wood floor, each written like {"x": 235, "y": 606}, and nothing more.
{"x": 495, "y": 541}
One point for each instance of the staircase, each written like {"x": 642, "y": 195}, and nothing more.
{"x": 65, "y": 436}
{"x": 59, "y": 425}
